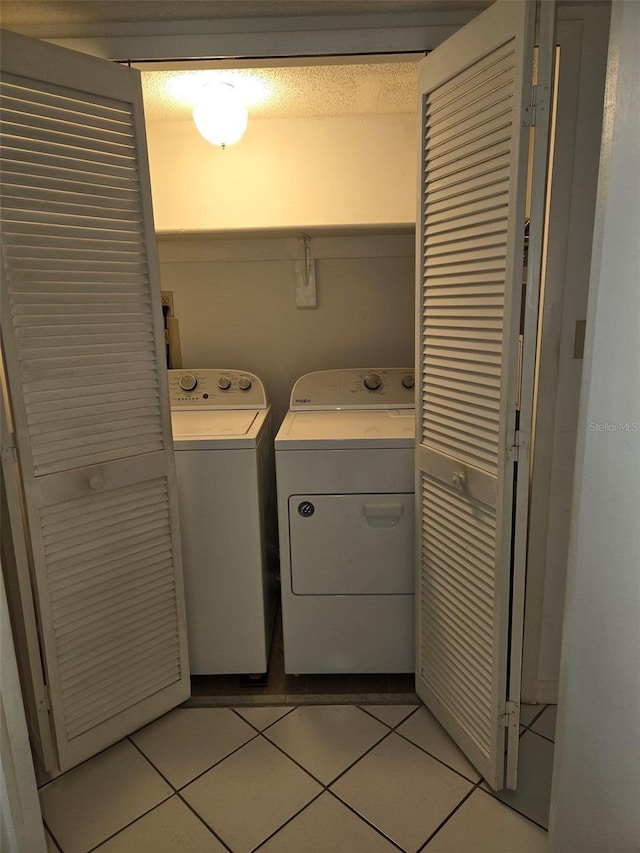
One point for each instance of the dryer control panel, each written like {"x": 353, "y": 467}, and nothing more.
{"x": 215, "y": 389}
{"x": 354, "y": 388}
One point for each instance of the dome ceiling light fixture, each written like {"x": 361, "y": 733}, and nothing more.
{"x": 220, "y": 114}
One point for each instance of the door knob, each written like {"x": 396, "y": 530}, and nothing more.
{"x": 459, "y": 481}
{"x": 96, "y": 482}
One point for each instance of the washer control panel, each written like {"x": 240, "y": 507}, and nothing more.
{"x": 390, "y": 387}
{"x": 215, "y": 389}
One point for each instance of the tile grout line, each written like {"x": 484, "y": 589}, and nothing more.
{"x": 325, "y": 785}
{"x": 53, "y": 838}
{"x": 288, "y": 821}
{"x": 534, "y": 732}
{"x": 449, "y": 816}
{"x": 91, "y": 757}
{"x": 495, "y": 796}
{"x": 526, "y": 729}
{"x": 353, "y": 763}
{"x": 364, "y": 819}
{"x": 174, "y": 793}
{"x": 440, "y": 760}
{"x": 513, "y": 808}
{"x": 178, "y": 791}
{"x": 363, "y": 707}
{"x": 253, "y": 726}
{"x": 203, "y": 821}
{"x": 130, "y": 823}
{"x": 211, "y": 766}
{"x": 536, "y": 718}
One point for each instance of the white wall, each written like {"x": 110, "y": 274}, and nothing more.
{"x": 596, "y": 785}
{"x": 285, "y": 173}
{"x": 235, "y": 304}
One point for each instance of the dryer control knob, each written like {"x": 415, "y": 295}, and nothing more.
{"x": 244, "y": 383}
{"x": 408, "y": 381}
{"x": 224, "y": 383}
{"x": 372, "y": 381}
{"x": 187, "y": 382}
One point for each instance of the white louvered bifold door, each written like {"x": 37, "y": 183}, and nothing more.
{"x": 83, "y": 352}
{"x": 471, "y": 233}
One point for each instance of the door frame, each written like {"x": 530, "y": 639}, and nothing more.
{"x": 145, "y": 47}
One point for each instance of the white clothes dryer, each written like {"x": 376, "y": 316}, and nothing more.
{"x": 345, "y": 485}
{"x": 221, "y": 423}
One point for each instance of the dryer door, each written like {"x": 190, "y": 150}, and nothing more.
{"x": 352, "y": 544}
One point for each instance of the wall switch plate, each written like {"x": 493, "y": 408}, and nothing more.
{"x": 578, "y": 339}
{"x": 167, "y": 300}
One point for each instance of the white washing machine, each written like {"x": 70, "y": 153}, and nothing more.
{"x": 345, "y": 484}
{"x": 223, "y": 444}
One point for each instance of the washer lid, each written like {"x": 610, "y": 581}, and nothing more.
{"x": 197, "y": 430}
{"x": 346, "y": 428}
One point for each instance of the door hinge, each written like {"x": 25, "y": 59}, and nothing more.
{"x": 520, "y": 439}
{"x": 510, "y": 715}
{"x": 514, "y": 450}
{"x": 529, "y": 115}
{"x": 9, "y": 453}
{"x": 45, "y": 699}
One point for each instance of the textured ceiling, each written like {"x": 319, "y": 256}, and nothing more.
{"x": 301, "y": 91}
{"x": 356, "y": 87}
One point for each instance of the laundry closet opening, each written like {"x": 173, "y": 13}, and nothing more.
{"x": 236, "y": 228}
{"x": 325, "y": 175}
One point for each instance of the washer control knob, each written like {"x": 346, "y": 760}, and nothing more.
{"x": 224, "y": 383}
{"x": 306, "y": 509}
{"x": 372, "y": 381}
{"x": 244, "y": 383}
{"x": 187, "y": 382}
{"x": 408, "y": 381}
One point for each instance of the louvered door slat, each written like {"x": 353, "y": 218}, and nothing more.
{"x": 439, "y": 243}
{"x": 65, "y": 142}
{"x": 471, "y": 230}
{"x": 459, "y": 224}
{"x": 492, "y": 172}
{"x": 82, "y": 335}
{"x": 64, "y": 126}
{"x": 66, "y": 177}
{"x": 118, "y": 241}
{"x": 104, "y": 167}
{"x": 68, "y": 180}
{"x": 38, "y": 95}
{"x": 472, "y": 83}
{"x": 78, "y": 577}
{"x": 21, "y": 196}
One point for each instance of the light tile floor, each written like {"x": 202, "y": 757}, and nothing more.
{"x": 306, "y": 779}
